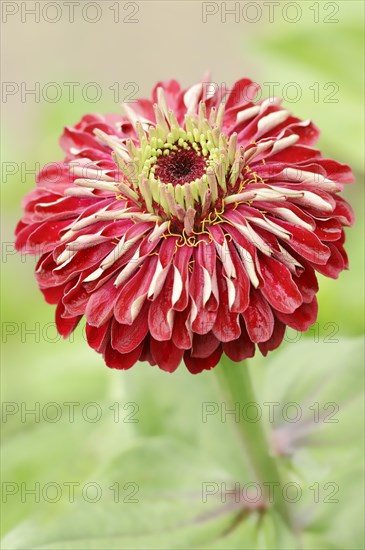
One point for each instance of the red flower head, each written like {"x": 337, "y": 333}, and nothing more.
{"x": 189, "y": 227}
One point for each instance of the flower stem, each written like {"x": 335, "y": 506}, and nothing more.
{"x": 235, "y": 381}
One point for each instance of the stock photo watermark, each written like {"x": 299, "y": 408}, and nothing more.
{"x": 71, "y": 12}
{"x": 37, "y": 332}
{"x": 128, "y": 492}
{"x": 268, "y": 491}
{"x": 131, "y": 12}
{"x": 69, "y": 491}
{"x": 70, "y": 92}
{"x": 58, "y": 172}
{"x": 270, "y": 12}
{"x": 274, "y": 411}
{"x": 127, "y": 92}
{"x": 69, "y": 411}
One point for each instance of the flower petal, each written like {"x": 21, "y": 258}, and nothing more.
{"x": 121, "y": 361}
{"x": 197, "y": 364}
{"x": 279, "y": 288}
{"x": 167, "y": 356}
{"x": 125, "y": 338}
{"x": 259, "y": 318}
{"x": 302, "y": 318}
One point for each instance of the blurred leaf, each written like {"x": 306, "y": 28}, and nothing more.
{"x": 166, "y": 456}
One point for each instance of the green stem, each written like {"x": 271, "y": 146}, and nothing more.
{"x": 235, "y": 381}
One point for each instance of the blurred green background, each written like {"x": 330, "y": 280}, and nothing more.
{"x": 148, "y": 450}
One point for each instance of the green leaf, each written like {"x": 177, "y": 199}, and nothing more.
{"x": 165, "y": 460}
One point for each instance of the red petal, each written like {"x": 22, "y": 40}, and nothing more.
{"x": 294, "y": 154}
{"x": 67, "y": 207}
{"x": 134, "y": 292}
{"x": 41, "y": 238}
{"x": 240, "y": 349}
{"x": 167, "y": 356}
{"x": 76, "y": 139}
{"x": 81, "y": 261}
{"x": 307, "y": 283}
{"x": 343, "y": 212}
{"x": 204, "y": 345}
{"x": 279, "y": 288}
{"x": 180, "y": 334}
{"x": 243, "y": 91}
{"x": 146, "y": 354}
{"x": 241, "y": 282}
{"x": 125, "y": 338}
{"x": 337, "y": 171}
{"x": 101, "y": 303}
{"x": 98, "y": 337}
{"x": 204, "y": 257}
{"x": 65, "y": 325}
{"x": 44, "y": 271}
{"x": 116, "y": 360}
{"x": 302, "y": 318}
{"x": 275, "y": 340}
{"x": 259, "y": 318}
{"x": 305, "y": 243}
{"x": 308, "y": 133}
{"x": 55, "y": 176}
{"x": 181, "y": 262}
{"x": 328, "y": 230}
{"x": 53, "y": 294}
{"x": 76, "y": 297}
{"x": 226, "y": 327}
{"x": 198, "y": 364}
{"x": 161, "y": 314}
{"x": 335, "y": 264}
{"x": 171, "y": 89}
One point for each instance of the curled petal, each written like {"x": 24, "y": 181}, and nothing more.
{"x": 198, "y": 364}
{"x": 279, "y": 288}
{"x": 65, "y": 325}
{"x": 166, "y": 355}
{"x": 275, "y": 340}
{"x": 121, "y": 361}
{"x": 241, "y": 348}
{"x": 98, "y": 337}
{"x": 259, "y": 318}
{"x": 302, "y": 318}
{"x": 125, "y": 338}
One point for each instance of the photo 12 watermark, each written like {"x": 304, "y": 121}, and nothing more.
{"x": 273, "y": 412}
{"x": 267, "y": 492}
{"x": 69, "y": 411}
{"x": 70, "y": 492}
{"x": 119, "y": 12}
{"x": 69, "y": 92}
{"x": 269, "y": 12}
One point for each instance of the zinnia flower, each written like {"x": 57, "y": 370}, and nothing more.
{"x": 191, "y": 226}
